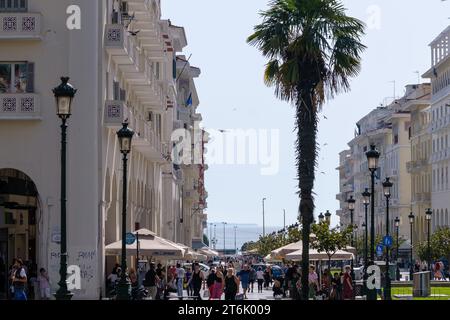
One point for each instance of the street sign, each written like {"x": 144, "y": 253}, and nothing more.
{"x": 379, "y": 250}
{"x": 387, "y": 241}
{"x": 130, "y": 238}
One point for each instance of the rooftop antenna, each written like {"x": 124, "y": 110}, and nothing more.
{"x": 418, "y": 76}
{"x": 393, "y": 81}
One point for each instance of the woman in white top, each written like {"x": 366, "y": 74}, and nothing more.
{"x": 260, "y": 279}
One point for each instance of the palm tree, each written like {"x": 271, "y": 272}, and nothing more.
{"x": 313, "y": 49}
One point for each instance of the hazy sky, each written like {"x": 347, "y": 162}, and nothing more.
{"x": 233, "y": 95}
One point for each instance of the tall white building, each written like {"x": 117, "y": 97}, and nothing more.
{"x": 123, "y": 63}
{"x": 389, "y": 129}
{"x": 439, "y": 73}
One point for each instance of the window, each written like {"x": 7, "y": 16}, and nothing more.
{"x": 116, "y": 90}
{"x": 16, "y": 77}
{"x": 13, "y": 5}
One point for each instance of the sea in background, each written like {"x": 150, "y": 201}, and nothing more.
{"x": 244, "y": 233}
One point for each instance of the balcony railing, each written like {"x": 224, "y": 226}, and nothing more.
{"x": 20, "y": 26}
{"x": 119, "y": 44}
{"x": 20, "y": 106}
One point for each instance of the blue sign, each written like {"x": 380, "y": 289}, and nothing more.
{"x": 379, "y": 250}
{"x": 387, "y": 241}
{"x": 130, "y": 238}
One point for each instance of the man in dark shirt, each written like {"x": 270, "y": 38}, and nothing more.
{"x": 151, "y": 279}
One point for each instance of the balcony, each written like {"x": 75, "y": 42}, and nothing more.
{"x": 119, "y": 44}
{"x": 115, "y": 113}
{"x": 146, "y": 141}
{"x": 422, "y": 197}
{"x": 20, "y": 26}
{"x": 417, "y": 165}
{"x": 20, "y": 106}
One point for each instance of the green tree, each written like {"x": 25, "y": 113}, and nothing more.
{"x": 439, "y": 245}
{"x": 329, "y": 240}
{"x": 205, "y": 239}
{"x": 313, "y": 49}
{"x": 249, "y": 246}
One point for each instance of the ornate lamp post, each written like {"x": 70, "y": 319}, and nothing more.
{"x": 328, "y": 217}
{"x": 321, "y": 217}
{"x": 372, "y": 160}
{"x": 351, "y": 207}
{"x": 387, "y": 185}
{"x": 264, "y": 221}
{"x": 125, "y": 135}
{"x": 397, "y": 231}
{"x": 411, "y": 223}
{"x": 64, "y": 95}
{"x": 428, "y": 215}
{"x": 366, "y": 202}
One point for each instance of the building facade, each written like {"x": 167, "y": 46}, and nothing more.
{"x": 123, "y": 63}
{"x": 439, "y": 74}
{"x": 389, "y": 129}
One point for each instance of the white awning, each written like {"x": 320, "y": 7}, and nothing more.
{"x": 150, "y": 245}
{"x": 315, "y": 255}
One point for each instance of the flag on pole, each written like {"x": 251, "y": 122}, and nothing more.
{"x": 189, "y": 101}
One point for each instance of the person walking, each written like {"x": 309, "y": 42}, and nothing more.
{"x": 336, "y": 287}
{"x": 231, "y": 288}
{"x": 210, "y": 282}
{"x": 218, "y": 285}
{"x": 19, "y": 280}
{"x": 260, "y": 279}
{"x": 313, "y": 281}
{"x": 252, "y": 278}
{"x": 244, "y": 277}
{"x": 347, "y": 285}
{"x": 186, "y": 281}
{"x": 197, "y": 280}
{"x": 180, "y": 273}
{"x": 44, "y": 284}
{"x": 150, "y": 282}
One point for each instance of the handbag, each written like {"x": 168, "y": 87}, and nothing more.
{"x": 206, "y": 294}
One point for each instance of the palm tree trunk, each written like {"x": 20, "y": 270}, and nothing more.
{"x": 306, "y": 163}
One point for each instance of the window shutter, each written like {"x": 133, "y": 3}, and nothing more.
{"x": 174, "y": 68}
{"x": 30, "y": 77}
{"x": 116, "y": 91}
{"x": 123, "y": 95}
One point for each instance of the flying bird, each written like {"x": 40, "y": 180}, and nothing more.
{"x": 134, "y": 33}
{"x": 325, "y": 117}
{"x": 222, "y": 130}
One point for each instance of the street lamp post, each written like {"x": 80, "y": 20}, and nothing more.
{"x": 428, "y": 215}
{"x": 224, "y": 224}
{"x": 124, "y": 135}
{"x": 264, "y": 222}
{"x": 387, "y": 185}
{"x": 356, "y": 245}
{"x": 235, "y": 247}
{"x": 397, "y": 231}
{"x": 321, "y": 217}
{"x": 64, "y": 95}
{"x": 411, "y": 223}
{"x": 372, "y": 159}
{"x": 351, "y": 207}
{"x": 366, "y": 202}
{"x": 328, "y": 217}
